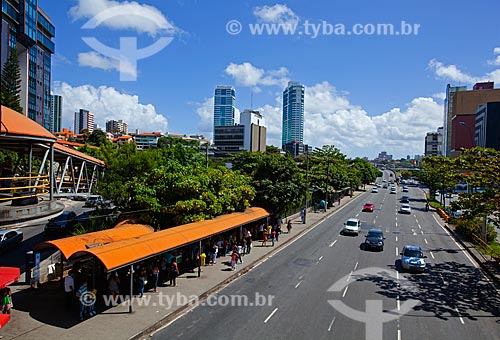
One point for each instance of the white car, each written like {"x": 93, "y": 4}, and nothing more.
{"x": 405, "y": 188}
{"x": 375, "y": 190}
{"x": 405, "y": 208}
{"x": 352, "y": 226}
{"x": 394, "y": 190}
{"x": 412, "y": 258}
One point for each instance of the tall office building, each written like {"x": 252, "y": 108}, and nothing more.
{"x": 460, "y": 101}
{"x": 487, "y": 129}
{"x": 255, "y": 131}
{"x": 28, "y": 29}
{"x": 117, "y": 127}
{"x": 293, "y": 118}
{"x": 55, "y": 113}
{"x": 225, "y": 106}
{"x": 84, "y": 119}
{"x": 433, "y": 144}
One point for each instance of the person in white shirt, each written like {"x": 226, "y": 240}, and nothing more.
{"x": 69, "y": 289}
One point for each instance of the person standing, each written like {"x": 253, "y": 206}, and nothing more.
{"x": 174, "y": 272}
{"x": 156, "y": 276}
{"x": 81, "y": 294}
{"x": 69, "y": 289}
{"x": 142, "y": 281}
{"x": 264, "y": 239}
{"x": 278, "y": 232}
{"x": 7, "y": 301}
{"x": 303, "y": 216}
{"x": 289, "y": 226}
{"x": 234, "y": 258}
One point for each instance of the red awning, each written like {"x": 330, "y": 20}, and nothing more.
{"x": 4, "y": 318}
{"x": 8, "y": 275}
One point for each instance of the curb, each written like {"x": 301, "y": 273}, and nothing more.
{"x": 183, "y": 309}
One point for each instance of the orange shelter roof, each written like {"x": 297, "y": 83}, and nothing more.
{"x": 73, "y": 244}
{"x": 78, "y": 154}
{"x": 118, "y": 254}
{"x": 16, "y": 123}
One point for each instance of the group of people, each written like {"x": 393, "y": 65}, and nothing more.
{"x": 160, "y": 271}
{"x": 86, "y": 300}
{"x": 6, "y": 300}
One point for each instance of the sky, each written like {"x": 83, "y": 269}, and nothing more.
{"x": 155, "y": 64}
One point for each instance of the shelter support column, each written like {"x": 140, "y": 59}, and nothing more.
{"x": 131, "y": 288}
{"x": 199, "y": 258}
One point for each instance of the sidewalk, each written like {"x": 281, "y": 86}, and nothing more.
{"x": 41, "y": 314}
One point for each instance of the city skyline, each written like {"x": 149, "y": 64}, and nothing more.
{"x": 388, "y": 89}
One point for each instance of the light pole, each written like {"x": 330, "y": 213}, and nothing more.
{"x": 307, "y": 184}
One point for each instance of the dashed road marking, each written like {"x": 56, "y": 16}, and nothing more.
{"x": 271, "y": 315}
{"x": 432, "y": 255}
{"x": 298, "y": 284}
{"x": 333, "y": 243}
{"x": 331, "y": 324}
{"x": 320, "y": 258}
{"x": 356, "y": 266}
{"x": 396, "y": 239}
{"x": 345, "y": 291}
{"x": 397, "y": 251}
{"x": 425, "y": 240}
{"x": 398, "y": 303}
{"x": 459, "y": 316}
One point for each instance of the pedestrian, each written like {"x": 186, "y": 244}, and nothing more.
{"x": 269, "y": 228}
{"x": 339, "y": 200}
{"x": 303, "y": 216}
{"x": 91, "y": 303}
{"x": 114, "y": 286}
{"x": 225, "y": 245}
{"x": 142, "y": 281}
{"x": 264, "y": 239}
{"x": 6, "y": 301}
{"x": 273, "y": 236}
{"x": 244, "y": 249}
{"x": 81, "y": 294}
{"x": 289, "y": 226}
{"x": 249, "y": 243}
{"x": 174, "y": 272}
{"x": 156, "y": 276}
{"x": 234, "y": 258}
{"x": 278, "y": 232}
{"x": 69, "y": 289}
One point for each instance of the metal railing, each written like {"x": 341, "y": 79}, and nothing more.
{"x": 19, "y": 187}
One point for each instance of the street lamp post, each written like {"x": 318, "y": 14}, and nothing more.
{"x": 307, "y": 184}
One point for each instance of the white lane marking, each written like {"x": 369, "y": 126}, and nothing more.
{"x": 270, "y": 315}
{"x": 421, "y": 232}
{"x": 349, "y": 276}
{"x": 357, "y": 214}
{"x": 442, "y": 278}
{"x": 419, "y": 226}
{"x": 425, "y": 240}
{"x": 298, "y": 284}
{"x": 398, "y": 303}
{"x": 459, "y": 316}
{"x": 414, "y": 233}
{"x": 331, "y": 324}
{"x": 432, "y": 255}
{"x": 397, "y": 275}
{"x": 301, "y": 277}
{"x": 356, "y": 266}
{"x": 416, "y": 219}
{"x": 345, "y": 291}
{"x": 396, "y": 239}
{"x": 399, "y": 334}
{"x": 397, "y": 251}
{"x": 320, "y": 258}
{"x": 458, "y": 245}
{"x": 333, "y": 243}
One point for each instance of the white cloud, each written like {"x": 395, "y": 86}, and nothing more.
{"x": 107, "y": 103}
{"x": 206, "y": 112}
{"x": 279, "y": 14}
{"x": 330, "y": 118}
{"x": 248, "y": 75}
{"x": 451, "y": 72}
{"x": 96, "y": 60}
{"x": 496, "y": 61}
{"x": 439, "y": 96}
{"x": 127, "y": 15}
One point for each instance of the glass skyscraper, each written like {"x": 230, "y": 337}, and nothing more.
{"x": 56, "y": 113}
{"x": 293, "y": 114}
{"x": 28, "y": 29}
{"x": 224, "y": 106}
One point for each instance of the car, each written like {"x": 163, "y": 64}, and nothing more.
{"x": 413, "y": 258}
{"x": 405, "y": 188}
{"x": 379, "y": 185}
{"x": 10, "y": 238}
{"x": 394, "y": 190}
{"x": 352, "y": 226}
{"x": 374, "y": 189}
{"x": 405, "y": 199}
{"x": 405, "y": 208}
{"x": 385, "y": 185}
{"x": 449, "y": 194}
{"x": 61, "y": 225}
{"x": 374, "y": 240}
{"x": 93, "y": 201}
{"x": 369, "y": 206}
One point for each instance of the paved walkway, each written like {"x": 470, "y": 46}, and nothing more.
{"x": 40, "y": 314}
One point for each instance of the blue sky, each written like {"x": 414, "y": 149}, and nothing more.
{"x": 365, "y": 93}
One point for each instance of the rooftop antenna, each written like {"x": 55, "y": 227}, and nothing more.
{"x": 251, "y": 100}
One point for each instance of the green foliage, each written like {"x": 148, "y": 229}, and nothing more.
{"x": 279, "y": 183}
{"x": 11, "y": 83}
{"x": 97, "y": 138}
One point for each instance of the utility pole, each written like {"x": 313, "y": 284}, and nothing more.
{"x": 307, "y": 184}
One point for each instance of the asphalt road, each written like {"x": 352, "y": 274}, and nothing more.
{"x": 32, "y": 235}
{"x": 324, "y": 285}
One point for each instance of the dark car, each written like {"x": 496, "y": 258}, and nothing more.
{"x": 374, "y": 240}
{"x": 405, "y": 199}
{"x": 61, "y": 225}
{"x": 9, "y": 239}
{"x": 369, "y": 206}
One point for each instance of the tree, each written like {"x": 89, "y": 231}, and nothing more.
{"x": 97, "y": 138}
{"x": 11, "y": 83}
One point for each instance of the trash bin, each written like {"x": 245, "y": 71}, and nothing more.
{"x": 203, "y": 258}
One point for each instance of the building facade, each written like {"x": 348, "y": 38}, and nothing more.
{"x": 462, "y": 133}
{"x": 117, "y": 127}
{"x": 460, "y": 101}
{"x": 229, "y": 140}
{"x": 487, "y": 129}
{"x": 147, "y": 140}
{"x": 255, "y": 131}
{"x": 293, "y": 117}
{"x": 29, "y": 30}
{"x": 433, "y": 144}
{"x": 225, "y": 106}
{"x": 84, "y": 119}
{"x": 55, "y": 113}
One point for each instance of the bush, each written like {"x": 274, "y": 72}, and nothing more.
{"x": 470, "y": 227}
